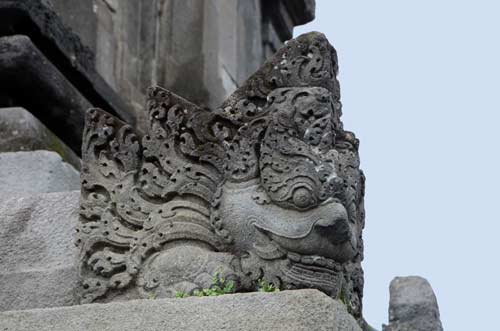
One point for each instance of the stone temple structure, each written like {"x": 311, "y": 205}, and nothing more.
{"x": 125, "y": 206}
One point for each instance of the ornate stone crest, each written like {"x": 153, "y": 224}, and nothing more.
{"x": 266, "y": 187}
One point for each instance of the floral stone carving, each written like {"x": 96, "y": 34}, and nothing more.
{"x": 266, "y": 187}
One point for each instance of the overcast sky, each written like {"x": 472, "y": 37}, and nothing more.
{"x": 420, "y": 88}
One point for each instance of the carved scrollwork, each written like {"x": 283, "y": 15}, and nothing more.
{"x": 137, "y": 198}
{"x": 266, "y": 187}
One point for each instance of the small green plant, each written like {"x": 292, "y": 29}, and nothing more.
{"x": 342, "y": 297}
{"x": 219, "y": 286}
{"x": 180, "y": 294}
{"x": 264, "y": 286}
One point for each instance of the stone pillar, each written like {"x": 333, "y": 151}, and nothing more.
{"x": 201, "y": 50}
{"x": 413, "y": 306}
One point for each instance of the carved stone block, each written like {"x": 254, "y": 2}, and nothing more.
{"x": 37, "y": 21}
{"x": 42, "y": 288}
{"x": 304, "y": 310}
{"x": 21, "y": 131}
{"x": 37, "y": 253}
{"x": 413, "y": 306}
{"x": 36, "y": 172}
{"x": 266, "y": 187}
{"x": 29, "y": 78}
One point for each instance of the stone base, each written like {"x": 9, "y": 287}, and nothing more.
{"x": 20, "y": 131}
{"x": 289, "y": 310}
{"x": 37, "y": 253}
{"x": 38, "y": 288}
{"x": 36, "y": 172}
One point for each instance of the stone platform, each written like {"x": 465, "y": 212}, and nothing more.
{"x": 37, "y": 252}
{"x": 36, "y": 172}
{"x": 20, "y": 131}
{"x": 289, "y": 310}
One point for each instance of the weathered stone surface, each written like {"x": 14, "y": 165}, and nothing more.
{"x": 37, "y": 254}
{"x": 285, "y": 14}
{"x": 139, "y": 43}
{"x": 217, "y": 43}
{"x": 36, "y": 172}
{"x": 305, "y": 310}
{"x": 63, "y": 49}
{"x": 80, "y": 17}
{"x": 266, "y": 187}
{"x": 21, "y": 131}
{"x": 302, "y": 11}
{"x": 279, "y": 18}
{"x": 38, "y": 289}
{"x": 37, "y": 231}
{"x": 34, "y": 83}
{"x": 413, "y": 306}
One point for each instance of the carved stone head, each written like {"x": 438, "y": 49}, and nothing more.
{"x": 266, "y": 187}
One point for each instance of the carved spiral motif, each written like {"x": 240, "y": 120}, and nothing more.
{"x": 302, "y": 198}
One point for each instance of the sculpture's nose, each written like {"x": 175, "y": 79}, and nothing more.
{"x": 336, "y": 231}
{"x": 338, "y": 236}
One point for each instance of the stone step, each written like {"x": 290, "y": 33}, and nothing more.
{"x": 36, "y": 172}
{"x": 20, "y": 131}
{"x": 38, "y": 289}
{"x": 37, "y": 253}
{"x": 289, "y": 310}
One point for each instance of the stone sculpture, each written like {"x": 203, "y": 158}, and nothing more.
{"x": 266, "y": 187}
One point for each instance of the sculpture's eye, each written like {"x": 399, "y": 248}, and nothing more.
{"x": 302, "y": 198}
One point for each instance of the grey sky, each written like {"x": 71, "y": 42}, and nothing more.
{"x": 420, "y": 88}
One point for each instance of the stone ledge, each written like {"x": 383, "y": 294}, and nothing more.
{"x": 36, "y": 172}
{"x": 36, "y": 231}
{"x": 64, "y": 49}
{"x": 38, "y": 289}
{"x": 285, "y": 14}
{"x": 21, "y": 131}
{"x": 289, "y": 310}
{"x": 37, "y": 253}
{"x": 301, "y": 11}
{"x": 29, "y": 78}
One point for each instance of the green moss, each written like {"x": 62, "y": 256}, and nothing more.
{"x": 56, "y": 145}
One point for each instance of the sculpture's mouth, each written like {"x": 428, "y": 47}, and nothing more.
{"x": 316, "y": 272}
{"x": 317, "y": 263}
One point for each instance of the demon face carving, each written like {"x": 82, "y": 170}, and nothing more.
{"x": 267, "y": 187}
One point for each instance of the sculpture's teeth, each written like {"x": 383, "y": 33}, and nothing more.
{"x": 320, "y": 261}
{"x": 294, "y": 257}
{"x": 330, "y": 264}
{"x": 307, "y": 260}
